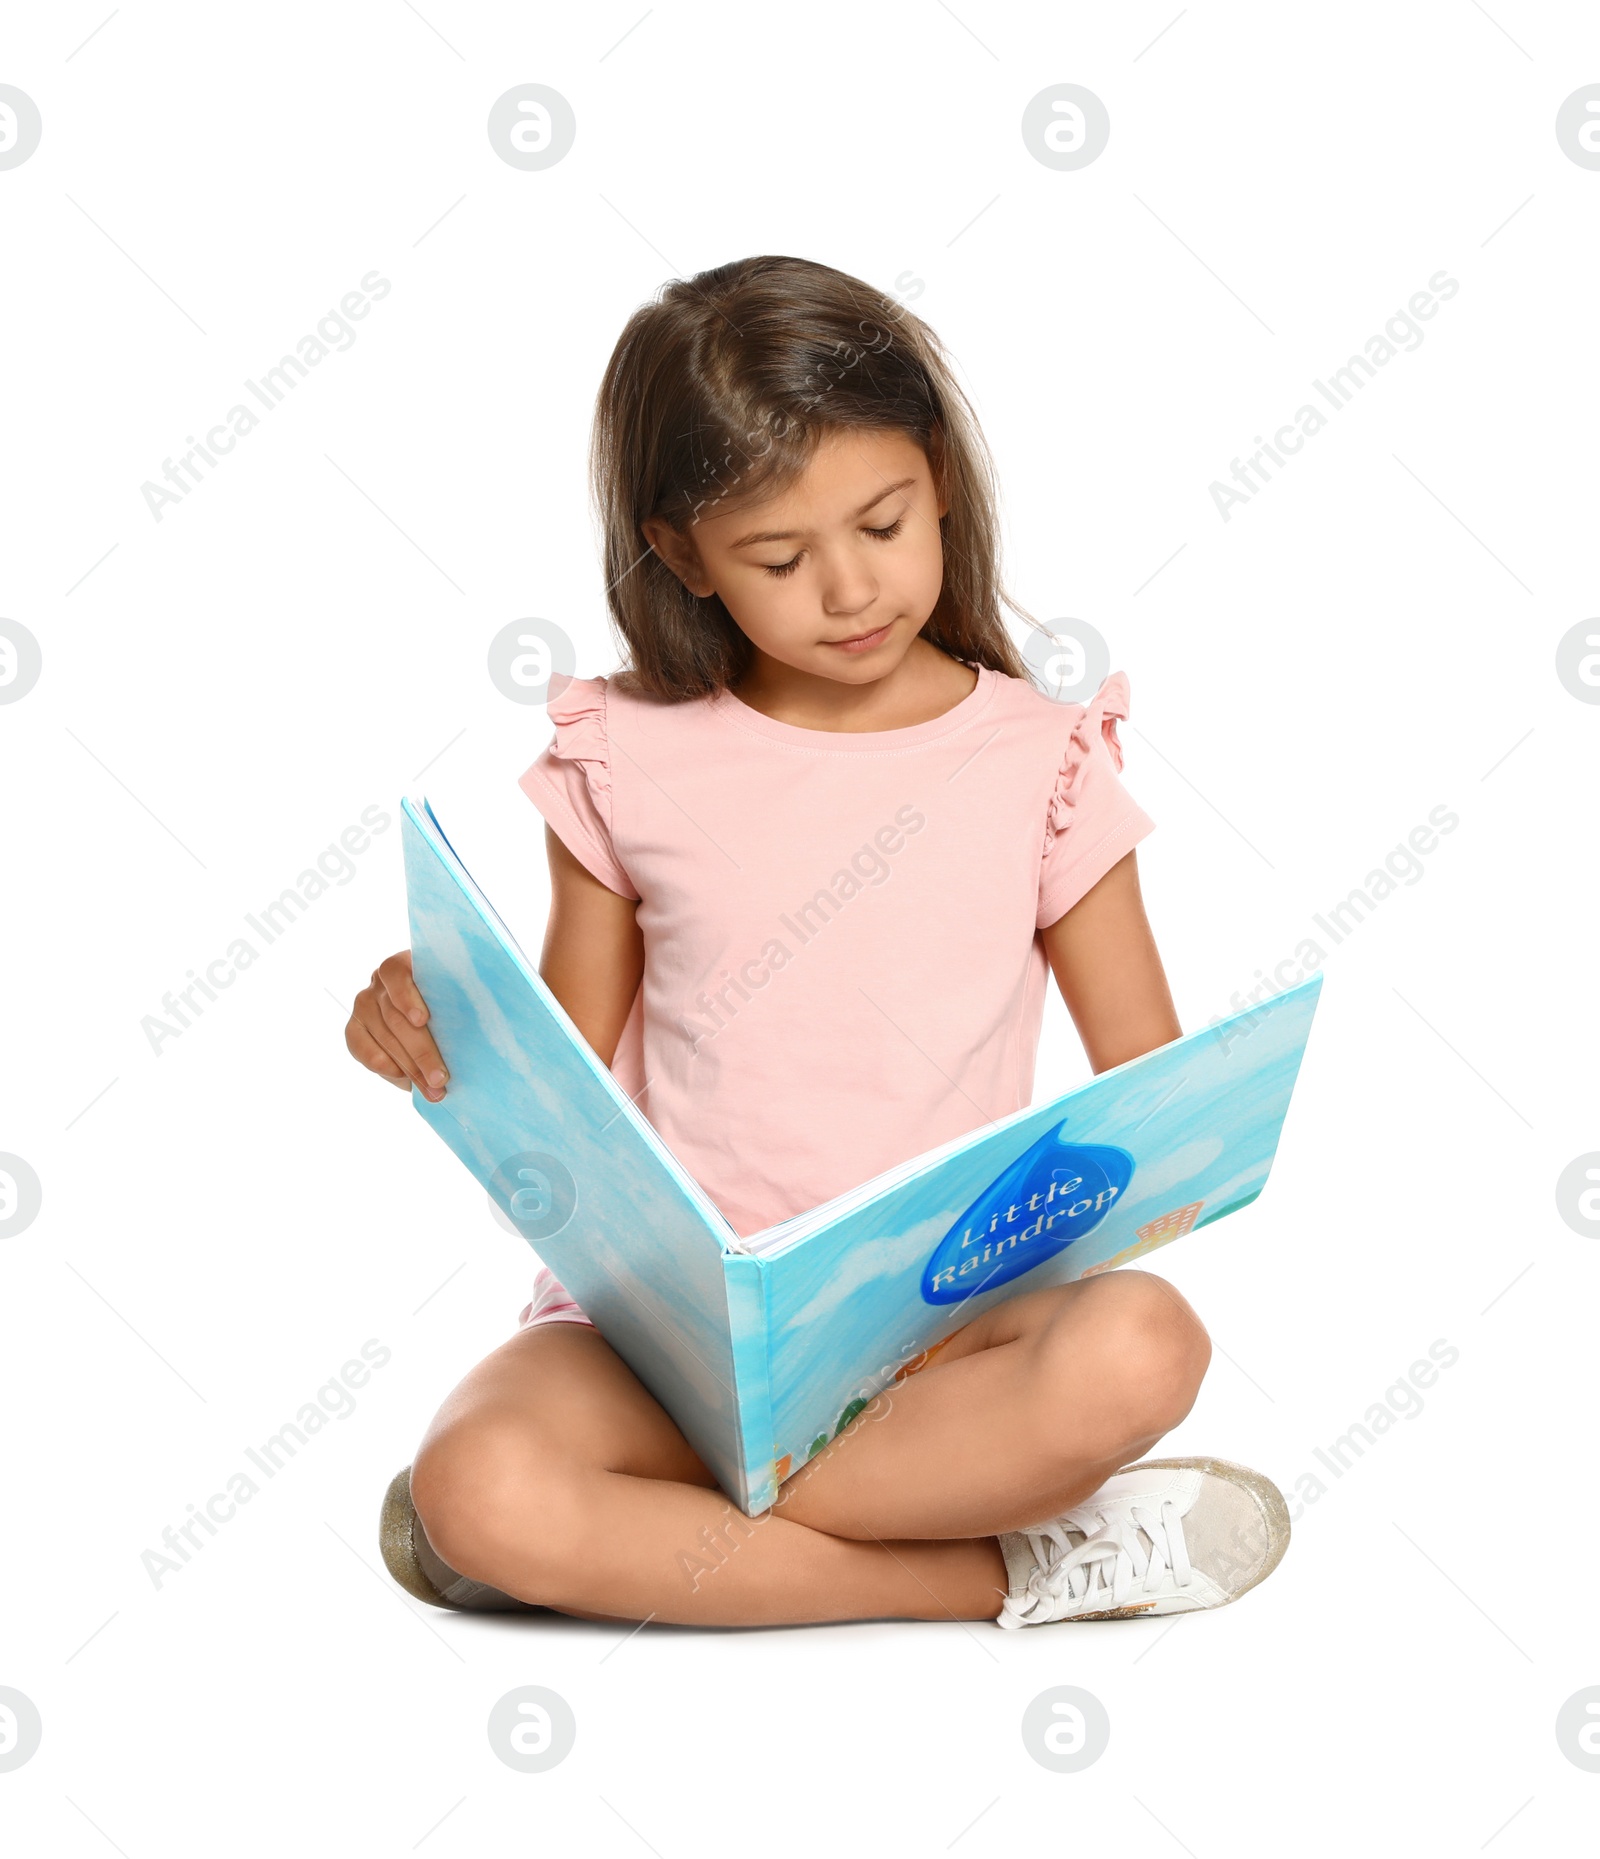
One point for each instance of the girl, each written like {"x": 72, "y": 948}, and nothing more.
{"x": 801, "y": 558}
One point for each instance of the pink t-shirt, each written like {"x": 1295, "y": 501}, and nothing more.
{"x": 841, "y": 960}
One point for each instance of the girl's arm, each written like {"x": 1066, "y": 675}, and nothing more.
{"x": 1110, "y": 975}
{"x": 593, "y": 957}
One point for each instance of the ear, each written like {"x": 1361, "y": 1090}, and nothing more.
{"x": 679, "y": 553}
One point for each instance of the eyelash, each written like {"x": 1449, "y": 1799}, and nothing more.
{"x": 883, "y": 535}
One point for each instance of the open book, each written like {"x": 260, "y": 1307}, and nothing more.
{"x": 763, "y": 1348}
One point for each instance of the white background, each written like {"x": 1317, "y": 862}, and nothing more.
{"x": 1372, "y": 636}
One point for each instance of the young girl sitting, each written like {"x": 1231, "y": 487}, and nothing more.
{"x": 801, "y": 558}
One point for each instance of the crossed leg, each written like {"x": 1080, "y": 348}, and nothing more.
{"x": 553, "y": 1474}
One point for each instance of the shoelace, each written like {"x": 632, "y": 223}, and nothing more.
{"x": 1107, "y": 1564}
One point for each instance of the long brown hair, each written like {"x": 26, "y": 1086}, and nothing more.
{"x": 721, "y": 388}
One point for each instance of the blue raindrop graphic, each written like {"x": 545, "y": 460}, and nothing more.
{"x": 1050, "y": 1196}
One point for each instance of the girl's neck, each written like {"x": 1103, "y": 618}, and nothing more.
{"x": 924, "y": 685}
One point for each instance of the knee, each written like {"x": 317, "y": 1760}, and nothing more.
{"x": 492, "y": 1499}
{"x": 1156, "y": 1349}
{"x": 1146, "y": 1352}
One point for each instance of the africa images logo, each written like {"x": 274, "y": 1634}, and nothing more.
{"x": 1053, "y": 1193}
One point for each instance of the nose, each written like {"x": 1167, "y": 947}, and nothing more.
{"x": 849, "y": 587}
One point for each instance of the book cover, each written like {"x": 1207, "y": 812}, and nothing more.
{"x": 764, "y": 1348}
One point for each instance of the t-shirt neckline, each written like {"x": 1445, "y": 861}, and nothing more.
{"x": 845, "y": 741}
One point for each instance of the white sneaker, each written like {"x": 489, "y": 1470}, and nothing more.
{"x": 1166, "y": 1536}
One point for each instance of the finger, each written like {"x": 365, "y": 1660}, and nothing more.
{"x": 414, "y": 1043}
{"x": 393, "y": 975}
{"x": 370, "y": 1016}
{"x": 364, "y": 1047}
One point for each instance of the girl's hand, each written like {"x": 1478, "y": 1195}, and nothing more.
{"x": 388, "y": 1032}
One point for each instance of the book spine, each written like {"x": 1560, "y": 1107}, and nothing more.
{"x": 746, "y": 1281}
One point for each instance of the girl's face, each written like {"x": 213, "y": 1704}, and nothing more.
{"x": 838, "y": 575}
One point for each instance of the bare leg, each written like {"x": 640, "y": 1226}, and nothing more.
{"x": 1022, "y": 1414}
{"x": 553, "y": 1474}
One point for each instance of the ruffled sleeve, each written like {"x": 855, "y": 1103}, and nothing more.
{"x": 570, "y": 783}
{"x": 1091, "y": 819}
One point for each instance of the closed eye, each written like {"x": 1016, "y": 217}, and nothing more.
{"x": 780, "y": 569}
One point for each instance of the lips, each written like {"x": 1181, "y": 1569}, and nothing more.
{"x": 861, "y": 642}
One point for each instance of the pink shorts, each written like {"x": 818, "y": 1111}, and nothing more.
{"x": 551, "y": 1302}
